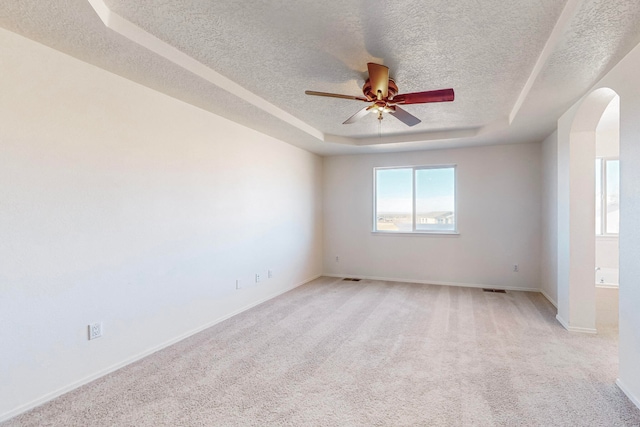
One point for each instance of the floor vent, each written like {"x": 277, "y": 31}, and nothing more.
{"x": 350, "y": 279}
{"x": 497, "y": 291}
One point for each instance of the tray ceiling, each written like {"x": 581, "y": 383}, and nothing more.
{"x": 515, "y": 68}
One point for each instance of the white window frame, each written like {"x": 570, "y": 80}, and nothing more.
{"x": 414, "y": 230}
{"x": 603, "y": 196}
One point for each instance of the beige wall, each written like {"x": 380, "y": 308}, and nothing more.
{"x": 499, "y": 220}
{"x": 122, "y": 205}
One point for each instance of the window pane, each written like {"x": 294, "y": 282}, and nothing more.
{"x": 435, "y": 199}
{"x": 394, "y": 200}
{"x": 613, "y": 196}
{"x": 598, "y": 196}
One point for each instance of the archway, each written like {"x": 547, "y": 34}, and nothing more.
{"x": 577, "y": 311}
{"x": 607, "y": 166}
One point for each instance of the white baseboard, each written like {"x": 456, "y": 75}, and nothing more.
{"x": 575, "y": 328}
{"x": 551, "y": 300}
{"x": 59, "y": 392}
{"x": 435, "y": 282}
{"x": 626, "y": 391}
{"x": 562, "y": 322}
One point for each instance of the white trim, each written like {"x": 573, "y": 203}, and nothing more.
{"x": 434, "y": 282}
{"x": 575, "y": 328}
{"x": 607, "y": 237}
{"x": 416, "y": 233}
{"x": 551, "y": 300}
{"x": 50, "y": 396}
{"x": 412, "y": 137}
{"x": 628, "y": 393}
{"x": 607, "y": 286}
{"x": 562, "y": 322}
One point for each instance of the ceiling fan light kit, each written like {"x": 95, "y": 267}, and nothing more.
{"x": 382, "y": 92}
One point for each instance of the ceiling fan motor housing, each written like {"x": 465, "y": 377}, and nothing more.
{"x": 366, "y": 90}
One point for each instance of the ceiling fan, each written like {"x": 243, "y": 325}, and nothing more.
{"x": 382, "y": 93}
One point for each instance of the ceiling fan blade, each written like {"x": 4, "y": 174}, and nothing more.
{"x": 405, "y": 117}
{"x": 379, "y": 79}
{"x": 441, "y": 95}
{"x": 335, "y": 95}
{"x": 360, "y": 114}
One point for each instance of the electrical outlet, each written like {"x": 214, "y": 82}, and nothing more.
{"x": 257, "y": 277}
{"x": 238, "y": 284}
{"x": 515, "y": 268}
{"x": 270, "y": 274}
{"x": 337, "y": 258}
{"x": 95, "y": 330}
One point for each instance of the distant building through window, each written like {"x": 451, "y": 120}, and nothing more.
{"x": 418, "y": 199}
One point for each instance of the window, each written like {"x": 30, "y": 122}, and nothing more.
{"x": 415, "y": 199}
{"x": 607, "y": 196}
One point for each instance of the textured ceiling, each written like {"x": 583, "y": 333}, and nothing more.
{"x": 278, "y": 49}
{"x": 487, "y": 51}
{"x": 600, "y": 35}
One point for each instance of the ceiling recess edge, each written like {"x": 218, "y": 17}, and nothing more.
{"x": 136, "y": 34}
{"x": 145, "y": 39}
{"x": 568, "y": 12}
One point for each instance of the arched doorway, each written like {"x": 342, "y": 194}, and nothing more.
{"x": 607, "y": 226}
{"x": 577, "y": 240}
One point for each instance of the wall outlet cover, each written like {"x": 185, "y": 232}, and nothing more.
{"x": 95, "y": 330}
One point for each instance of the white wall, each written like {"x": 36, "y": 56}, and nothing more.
{"x": 499, "y": 218}
{"x": 608, "y": 143}
{"x": 549, "y": 263}
{"x": 607, "y": 255}
{"x": 122, "y": 205}
{"x": 607, "y": 302}
{"x": 623, "y": 80}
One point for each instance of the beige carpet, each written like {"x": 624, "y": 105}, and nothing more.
{"x": 337, "y": 353}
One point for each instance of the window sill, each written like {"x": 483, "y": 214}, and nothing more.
{"x": 607, "y": 286}
{"x": 417, "y": 233}
{"x": 607, "y": 236}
